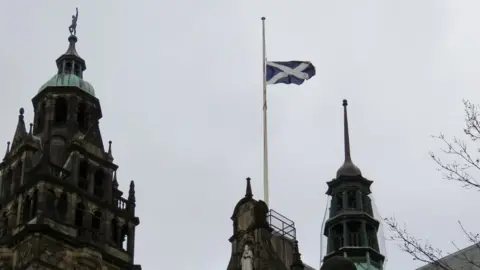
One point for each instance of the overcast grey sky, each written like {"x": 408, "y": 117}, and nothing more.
{"x": 180, "y": 87}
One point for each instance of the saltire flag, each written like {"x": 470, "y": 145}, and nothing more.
{"x": 295, "y": 72}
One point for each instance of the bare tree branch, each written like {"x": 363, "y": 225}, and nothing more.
{"x": 463, "y": 168}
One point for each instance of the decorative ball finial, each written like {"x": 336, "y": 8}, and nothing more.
{"x": 21, "y": 111}
{"x": 263, "y": 18}
{"x": 345, "y": 103}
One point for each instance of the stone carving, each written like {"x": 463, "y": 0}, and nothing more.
{"x": 247, "y": 258}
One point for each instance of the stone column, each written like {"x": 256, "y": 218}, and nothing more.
{"x": 364, "y": 233}
{"x": 131, "y": 239}
{"x": 19, "y": 208}
{"x": 345, "y": 233}
{"x": 72, "y": 207}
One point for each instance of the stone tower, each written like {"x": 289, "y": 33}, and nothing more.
{"x": 258, "y": 241}
{"x": 351, "y": 228}
{"x": 60, "y": 205}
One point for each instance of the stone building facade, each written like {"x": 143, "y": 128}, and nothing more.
{"x": 60, "y": 203}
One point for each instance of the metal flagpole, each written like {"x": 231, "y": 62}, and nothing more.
{"x": 265, "y": 138}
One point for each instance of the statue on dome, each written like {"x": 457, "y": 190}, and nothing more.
{"x": 73, "y": 27}
{"x": 247, "y": 258}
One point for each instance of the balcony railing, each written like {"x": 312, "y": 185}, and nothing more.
{"x": 281, "y": 225}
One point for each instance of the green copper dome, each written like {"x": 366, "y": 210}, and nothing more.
{"x": 69, "y": 80}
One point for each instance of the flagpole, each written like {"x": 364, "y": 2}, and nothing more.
{"x": 265, "y": 137}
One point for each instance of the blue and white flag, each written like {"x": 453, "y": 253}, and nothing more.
{"x": 295, "y": 72}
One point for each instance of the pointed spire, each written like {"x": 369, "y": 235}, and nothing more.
{"x": 21, "y": 130}
{"x": 115, "y": 181}
{"x": 248, "y": 193}
{"x": 348, "y": 168}
{"x": 109, "y": 153}
{"x": 30, "y": 130}
{"x": 297, "y": 263}
{"x": 7, "y": 152}
{"x": 131, "y": 192}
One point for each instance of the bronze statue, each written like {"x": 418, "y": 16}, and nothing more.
{"x": 73, "y": 26}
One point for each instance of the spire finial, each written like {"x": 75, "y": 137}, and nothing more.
{"x": 248, "y": 193}
{"x": 8, "y": 151}
{"x": 131, "y": 192}
{"x": 109, "y": 153}
{"x": 346, "y": 135}
{"x": 30, "y": 130}
{"x": 73, "y": 27}
{"x": 348, "y": 168}
{"x": 115, "y": 181}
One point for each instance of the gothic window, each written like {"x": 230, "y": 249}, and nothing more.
{"x": 81, "y": 117}
{"x": 114, "y": 230}
{"x": 351, "y": 199}
{"x": 18, "y": 173}
{"x": 62, "y": 206}
{"x": 83, "y": 175}
{"x": 124, "y": 236}
{"x": 79, "y": 216}
{"x": 40, "y": 118}
{"x": 98, "y": 183}
{"x": 61, "y": 110}
{"x": 68, "y": 67}
{"x": 26, "y": 209}
{"x": 57, "y": 148}
{"x": 96, "y": 221}
{"x": 50, "y": 201}
{"x": 34, "y": 204}
{"x": 7, "y": 184}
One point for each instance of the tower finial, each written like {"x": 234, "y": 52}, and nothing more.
{"x": 8, "y": 151}
{"x": 30, "y": 131}
{"x": 131, "y": 192}
{"x": 73, "y": 27}
{"x": 248, "y": 193}
{"x": 346, "y": 135}
{"x": 348, "y": 168}
{"x": 109, "y": 153}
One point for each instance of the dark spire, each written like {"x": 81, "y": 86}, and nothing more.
{"x": 348, "y": 168}
{"x": 115, "y": 181}
{"x": 21, "y": 130}
{"x": 109, "y": 153}
{"x": 7, "y": 152}
{"x": 30, "y": 131}
{"x": 248, "y": 193}
{"x": 297, "y": 263}
{"x": 131, "y": 192}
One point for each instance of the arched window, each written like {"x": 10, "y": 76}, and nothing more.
{"x": 58, "y": 150}
{"x": 7, "y": 184}
{"x": 124, "y": 236}
{"x": 18, "y": 173}
{"x": 34, "y": 204}
{"x": 40, "y": 118}
{"x": 26, "y": 209}
{"x": 79, "y": 215}
{"x": 51, "y": 202}
{"x": 81, "y": 117}
{"x": 114, "y": 230}
{"x": 98, "y": 183}
{"x": 62, "y": 206}
{"x": 96, "y": 221}
{"x": 61, "y": 110}
{"x": 83, "y": 175}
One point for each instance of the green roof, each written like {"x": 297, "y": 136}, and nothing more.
{"x": 68, "y": 80}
